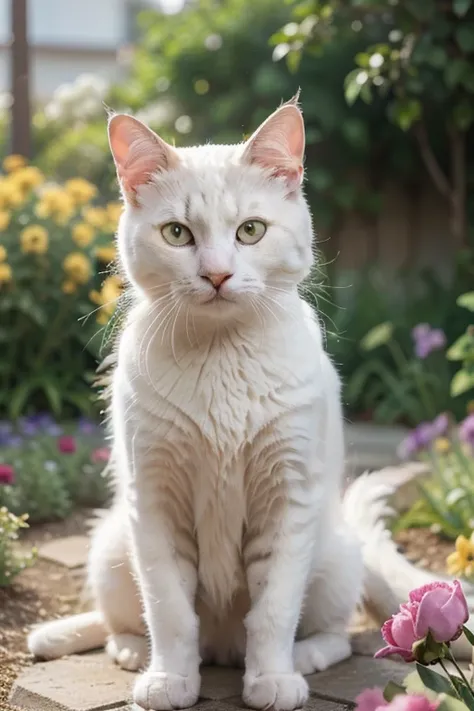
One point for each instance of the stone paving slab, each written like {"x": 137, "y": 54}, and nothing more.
{"x": 345, "y": 681}
{"x": 91, "y": 682}
{"x": 72, "y": 551}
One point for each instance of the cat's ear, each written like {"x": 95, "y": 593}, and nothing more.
{"x": 138, "y": 153}
{"x": 278, "y": 144}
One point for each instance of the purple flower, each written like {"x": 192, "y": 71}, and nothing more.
{"x": 86, "y": 426}
{"x": 422, "y": 436}
{"x": 427, "y": 339}
{"x": 466, "y": 430}
{"x": 28, "y": 426}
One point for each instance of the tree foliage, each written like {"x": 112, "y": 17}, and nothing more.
{"x": 423, "y": 67}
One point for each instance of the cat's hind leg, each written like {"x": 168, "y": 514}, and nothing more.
{"x": 116, "y": 594}
{"x": 332, "y": 596}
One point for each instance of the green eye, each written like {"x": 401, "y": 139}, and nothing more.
{"x": 251, "y": 232}
{"x": 177, "y": 235}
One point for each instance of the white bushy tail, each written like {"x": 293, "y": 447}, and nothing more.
{"x": 71, "y": 635}
{"x": 388, "y": 575}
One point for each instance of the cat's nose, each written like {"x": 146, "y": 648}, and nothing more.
{"x": 217, "y": 279}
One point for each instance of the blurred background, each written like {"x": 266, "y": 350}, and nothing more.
{"x": 387, "y": 90}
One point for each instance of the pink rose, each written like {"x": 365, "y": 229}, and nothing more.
{"x": 373, "y": 700}
{"x": 370, "y": 700}
{"x": 102, "y": 454}
{"x": 67, "y": 444}
{"x": 437, "y": 607}
{"x": 7, "y": 474}
{"x": 412, "y": 702}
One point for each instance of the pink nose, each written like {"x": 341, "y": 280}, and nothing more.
{"x": 217, "y": 279}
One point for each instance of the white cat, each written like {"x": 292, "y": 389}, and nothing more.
{"x": 226, "y": 539}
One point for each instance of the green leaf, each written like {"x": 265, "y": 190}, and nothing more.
{"x": 54, "y": 396}
{"x": 392, "y": 690}
{"x": 466, "y": 300}
{"x": 450, "y": 703}
{"x": 414, "y": 685}
{"x": 434, "y": 681}
{"x": 19, "y": 399}
{"x": 461, "y": 348}
{"x": 378, "y": 336}
{"x": 465, "y": 37}
{"x": 406, "y": 113}
{"x": 353, "y": 87}
{"x": 469, "y": 635}
{"x": 455, "y": 72}
{"x": 461, "y": 383}
{"x": 461, "y": 7}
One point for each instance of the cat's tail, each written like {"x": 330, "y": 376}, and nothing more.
{"x": 70, "y": 635}
{"x": 388, "y": 575}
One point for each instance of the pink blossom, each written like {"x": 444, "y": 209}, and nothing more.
{"x": 412, "y": 702}
{"x": 373, "y": 700}
{"x": 439, "y": 607}
{"x": 102, "y": 454}
{"x": 67, "y": 444}
{"x": 7, "y": 474}
{"x": 370, "y": 700}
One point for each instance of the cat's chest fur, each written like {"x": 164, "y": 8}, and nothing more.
{"x": 205, "y": 408}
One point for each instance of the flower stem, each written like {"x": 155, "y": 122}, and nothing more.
{"x": 456, "y": 692}
{"x": 461, "y": 673}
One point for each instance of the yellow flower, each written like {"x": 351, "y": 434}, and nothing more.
{"x": 27, "y": 178}
{"x": 34, "y": 239}
{"x": 4, "y": 220}
{"x": 83, "y": 234}
{"x": 56, "y": 203}
{"x": 5, "y": 273}
{"x": 106, "y": 254}
{"x": 14, "y": 162}
{"x": 95, "y": 216}
{"x": 107, "y": 298}
{"x": 114, "y": 210}
{"x": 461, "y": 562}
{"x": 80, "y": 190}
{"x": 3, "y": 253}
{"x": 10, "y": 194}
{"x": 69, "y": 287}
{"x": 442, "y": 445}
{"x": 77, "y": 267}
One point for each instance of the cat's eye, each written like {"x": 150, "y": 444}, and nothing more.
{"x": 177, "y": 235}
{"x": 251, "y": 232}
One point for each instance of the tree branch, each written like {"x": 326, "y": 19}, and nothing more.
{"x": 431, "y": 162}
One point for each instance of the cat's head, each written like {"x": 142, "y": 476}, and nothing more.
{"x": 218, "y": 228}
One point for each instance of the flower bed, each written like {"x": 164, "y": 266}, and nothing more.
{"x": 56, "y": 244}
{"x": 46, "y": 468}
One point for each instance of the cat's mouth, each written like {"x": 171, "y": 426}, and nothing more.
{"x": 217, "y": 298}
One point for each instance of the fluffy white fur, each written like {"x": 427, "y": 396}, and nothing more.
{"x": 226, "y": 539}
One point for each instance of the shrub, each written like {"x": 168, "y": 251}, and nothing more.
{"x": 53, "y": 468}
{"x": 55, "y": 243}
{"x": 11, "y": 561}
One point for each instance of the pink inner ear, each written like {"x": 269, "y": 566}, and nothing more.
{"x": 137, "y": 151}
{"x": 279, "y": 144}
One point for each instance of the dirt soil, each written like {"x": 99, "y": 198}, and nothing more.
{"x": 425, "y": 549}
{"x": 48, "y": 591}
{"x": 43, "y": 592}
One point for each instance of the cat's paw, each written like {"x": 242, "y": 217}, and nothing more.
{"x": 317, "y": 653}
{"x": 129, "y": 651}
{"x": 282, "y": 692}
{"x": 159, "y": 691}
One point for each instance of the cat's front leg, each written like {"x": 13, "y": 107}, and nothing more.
{"x": 278, "y": 564}
{"x": 166, "y": 567}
